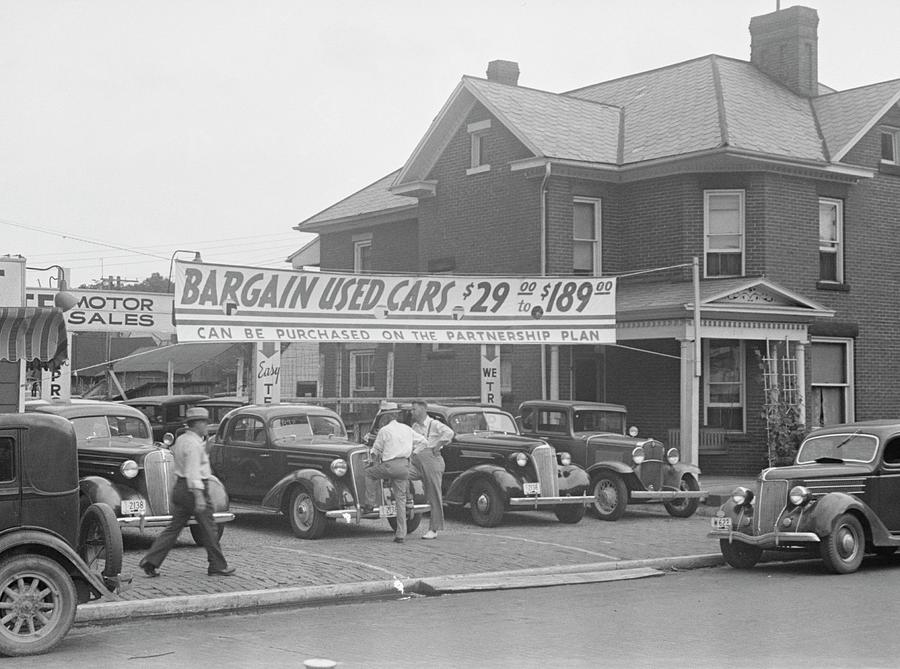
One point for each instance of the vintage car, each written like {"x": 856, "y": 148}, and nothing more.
{"x": 122, "y": 468}
{"x": 623, "y": 468}
{"x": 841, "y": 496}
{"x": 49, "y": 562}
{"x": 296, "y": 459}
{"x": 218, "y": 407}
{"x": 165, "y": 412}
{"x": 493, "y": 469}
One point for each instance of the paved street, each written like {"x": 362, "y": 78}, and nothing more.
{"x": 776, "y": 615}
{"x": 267, "y": 555}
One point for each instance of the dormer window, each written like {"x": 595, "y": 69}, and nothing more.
{"x": 890, "y": 146}
{"x": 477, "y": 135}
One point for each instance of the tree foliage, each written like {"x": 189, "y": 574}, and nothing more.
{"x": 155, "y": 283}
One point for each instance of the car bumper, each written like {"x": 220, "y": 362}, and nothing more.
{"x": 668, "y": 494}
{"x": 162, "y": 521}
{"x": 769, "y": 539}
{"x": 347, "y": 515}
{"x": 537, "y": 502}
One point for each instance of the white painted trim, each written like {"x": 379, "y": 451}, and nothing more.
{"x": 479, "y": 126}
{"x": 428, "y": 185}
{"x": 742, "y": 359}
{"x": 742, "y": 196}
{"x": 358, "y": 245}
{"x": 868, "y": 126}
{"x": 839, "y": 257}
{"x": 598, "y": 231}
{"x": 362, "y": 237}
{"x": 478, "y": 170}
{"x": 849, "y": 398}
{"x": 353, "y": 356}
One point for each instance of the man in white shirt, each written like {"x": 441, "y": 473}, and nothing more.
{"x": 392, "y": 449}
{"x": 428, "y": 464}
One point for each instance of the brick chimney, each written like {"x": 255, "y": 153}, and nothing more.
{"x": 784, "y": 45}
{"x": 503, "y": 72}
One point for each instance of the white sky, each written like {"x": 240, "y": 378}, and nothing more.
{"x": 217, "y": 125}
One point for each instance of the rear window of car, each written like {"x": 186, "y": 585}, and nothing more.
{"x": 599, "y": 421}
{"x": 287, "y": 427}
{"x": 483, "y": 421}
{"x": 89, "y": 428}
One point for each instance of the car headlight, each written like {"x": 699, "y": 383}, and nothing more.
{"x": 339, "y": 467}
{"x": 799, "y": 495}
{"x": 520, "y": 459}
{"x": 168, "y": 439}
{"x": 129, "y": 469}
{"x": 673, "y": 456}
{"x": 741, "y": 495}
{"x": 565, "y": 459}
{"x": 632, "y": 431}
{"x": 637, "y": 455}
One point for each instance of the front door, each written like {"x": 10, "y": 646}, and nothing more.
{"x": 250, "y": 465}
{"x": 10, "y": 491}
{"x": 886, "y": 497}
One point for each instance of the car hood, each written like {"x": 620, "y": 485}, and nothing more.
{"x": 117, "y": 446}
{"x": 815, "y": 471}
{"x": 512, "y": 442}
{"x": 622, "y": 440}
{"x": 339, "y": 446}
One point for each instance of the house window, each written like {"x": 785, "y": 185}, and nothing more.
{"x": 477, "y": 136}
{"x": 723, "y": 222}
{"x": 890, "y": 146}
{"x": 362, "y": 254}
{"x": 832, "y": 381}
{"x": 723, "y": 384}
{"x": 362, "y": 370}
{"x": 586, "y": 236}
{"x": 831, "y": 236}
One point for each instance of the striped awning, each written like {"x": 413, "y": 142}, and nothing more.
{"x": 35, "y": 335}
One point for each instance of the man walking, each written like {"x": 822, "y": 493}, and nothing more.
{"x": 190, "y": 497}
{"x": 392, "y": 449}
{"x": 428, "y": 464}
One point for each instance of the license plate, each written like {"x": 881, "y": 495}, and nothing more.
{"x": 720, "y": 523}
{"x": 133, "y": 506}
{"x": 532, "y": 489}
{"x": 387, "y": 510}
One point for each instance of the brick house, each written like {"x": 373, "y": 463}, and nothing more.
{"x": 787, "y": 191}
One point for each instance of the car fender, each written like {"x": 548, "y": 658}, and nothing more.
{"x": 508, "y": 485}
{"x": 49, "y": 545}
{"x": 674, "y": 474}
{"x": 99, "y": 490}
{"x": 624, "y": 471}
{"x": 573, "y": 480}
{"x": 821, "y": 517}
{"x": 326, "y": 496}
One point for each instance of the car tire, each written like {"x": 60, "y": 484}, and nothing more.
{"x": 23, "y": 576}
{"x": 740, "y": 555}
{"x": 610, "y": 496}
{"x": 412, "y": 522}
{"x": 486, "y": 505}
{"x": 307, "y": 522}
{"x": 100, "y": 540}
{"x": 842, "y": 550}
{"x": 684, "y": 508}
{"x": 570, "y": 514}
{"x": 197, "y": 534}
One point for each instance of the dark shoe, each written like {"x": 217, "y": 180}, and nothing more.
{"x": 149, "y": 570}
{"x": 398, "y": 540}
{"x": 228, "y": 571}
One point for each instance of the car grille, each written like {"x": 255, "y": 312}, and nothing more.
{"x": 544, "y": 459}
{"x": 652, "y": 467}
{"x": 159, "y": 475}
{"x": 770, "y": 503}
{"x": 357, "y": 464}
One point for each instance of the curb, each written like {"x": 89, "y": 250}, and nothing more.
{"x": 258, "y": 600}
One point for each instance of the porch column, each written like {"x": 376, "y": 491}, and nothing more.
{"x": 554, "y": 372}
{"x": 801, "y": 379}
{"x": 690, "y": 404}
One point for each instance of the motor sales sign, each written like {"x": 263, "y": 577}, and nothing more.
{"x": 232, "y": 303}
{"x": 111, "y": 310}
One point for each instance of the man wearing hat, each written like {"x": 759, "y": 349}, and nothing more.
{"x": 190, "y": 497}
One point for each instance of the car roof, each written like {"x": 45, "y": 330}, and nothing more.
{"x": 222, "y": 401}
{"x": 575, "y": 405}
{"x": 275, "y": 410}
{"x": 79, "y": 408}
{"x": 165, "y": 399}
{"x": 882, "y": 428}
{"x": 446, "y": 408}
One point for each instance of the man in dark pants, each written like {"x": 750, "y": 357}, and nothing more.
{"x": 190, "y": 497}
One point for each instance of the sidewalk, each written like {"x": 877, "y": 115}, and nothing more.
{"x": 361, "y": 560}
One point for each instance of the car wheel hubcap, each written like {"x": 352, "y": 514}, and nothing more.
{"x": 605, "y": 492}
{"x": 303, "y": 511}
{"x": 28, "y": 607}
{"x": 846, "y": 543}
{"x": 483, "y": 503}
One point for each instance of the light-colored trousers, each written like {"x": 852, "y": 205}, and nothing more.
{"x": 397, "y": 470}
{"x": 428, "y": 467}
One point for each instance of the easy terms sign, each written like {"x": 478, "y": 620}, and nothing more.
{"x": 231, "y": 303}
{"x": 111, "y": 310}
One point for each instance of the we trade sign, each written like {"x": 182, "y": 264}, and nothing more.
{"x": 234, "y": 303}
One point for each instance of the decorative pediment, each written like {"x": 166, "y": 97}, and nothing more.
{"x": 757, "y": 295}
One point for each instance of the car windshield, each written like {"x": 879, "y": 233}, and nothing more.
{"x": 305, "y": 426}
{"x": 599, "y": 421}
{"x": 91, "y": 428}
{"x": 483, "y": 421}
{"x": 846, "y": 446}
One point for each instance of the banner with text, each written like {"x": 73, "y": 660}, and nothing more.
{"x": 231, "y": 303}
{"x": 111, "y": 310}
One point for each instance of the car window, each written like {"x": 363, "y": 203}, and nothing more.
{"x": 528, "y": 419}
{"x": 599, "y": 421}
{"x": 128, "y": 426}
{"x": 7, "y": 461}
{"x": 153, "y": 413}
{"x": 493, "y": 421}
{"x": 88, "y": 428}
{"x": 249, "y": 429}
{"x": 892, "y": 453}
{"x": 553, "y": 421}
{"x": 846, "y": 447}
{"x": 325, "y": 426}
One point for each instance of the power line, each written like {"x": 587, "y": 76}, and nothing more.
{"x": 80, "y": 239}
